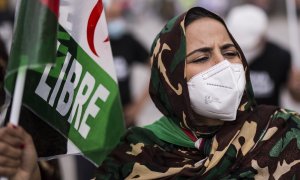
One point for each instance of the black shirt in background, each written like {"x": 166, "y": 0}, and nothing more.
{"x": 269, "y": 72}
{"x": 126, "y": 52}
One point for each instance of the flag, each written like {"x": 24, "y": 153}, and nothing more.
{"x": 78, "y": 94}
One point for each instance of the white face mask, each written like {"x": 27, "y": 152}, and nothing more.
{"x": 116, "y": 28}
{"x": 216, "y": 93}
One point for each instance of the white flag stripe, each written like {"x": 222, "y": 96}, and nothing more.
{"x": 74, "y": 16}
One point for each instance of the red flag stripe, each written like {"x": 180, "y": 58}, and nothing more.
{"x": 53, "y": 5}
{"x": 189, "y": 134}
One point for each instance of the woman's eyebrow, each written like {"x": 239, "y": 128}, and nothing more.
{"x": 204, "y": 49}
{"x": 228, "y": 45}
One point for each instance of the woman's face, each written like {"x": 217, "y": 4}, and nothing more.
{"x": 207, "y": 44}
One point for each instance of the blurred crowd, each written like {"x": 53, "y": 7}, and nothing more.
{"x": 133, "y": 24}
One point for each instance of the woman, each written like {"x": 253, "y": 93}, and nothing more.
{"x": 212, "y": 128}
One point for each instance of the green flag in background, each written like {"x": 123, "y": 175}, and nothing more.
{"x": 78, "y": 96}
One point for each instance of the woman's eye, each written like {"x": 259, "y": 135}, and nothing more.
{"x": 231, "y": 54}
{"x": 200, "y": 59}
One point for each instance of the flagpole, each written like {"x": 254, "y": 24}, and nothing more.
{"x": 293, "y": 32}
{"x": 18, "y": 96}
{"x": 19, "y": 86}
{"x": 17, "y": 99}
{"x": 18, "y": 93}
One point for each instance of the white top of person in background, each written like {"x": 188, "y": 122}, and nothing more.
{"x": 248, "y": 24}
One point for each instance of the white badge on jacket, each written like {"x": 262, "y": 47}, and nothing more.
{"x": 217, "y": 92}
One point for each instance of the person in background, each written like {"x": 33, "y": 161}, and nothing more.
{"x": 6, "y": 22}
{"x": 218, "y": 7}
{"x": 166, "y": 9}
{"x": 126, "y": 52}
{"x": 263, "y": 4}
{"x": 270, "y": 64}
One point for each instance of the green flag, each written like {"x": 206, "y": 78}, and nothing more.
{"x": 34, "y": 40}
{"x": 78, "y": 95}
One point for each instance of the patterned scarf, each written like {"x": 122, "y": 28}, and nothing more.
{"x": 263, "y": 142}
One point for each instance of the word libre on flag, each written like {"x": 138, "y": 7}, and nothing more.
{"x": 78, "y": 94}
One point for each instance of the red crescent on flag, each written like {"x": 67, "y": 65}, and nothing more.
{"x": 92, "y": 22}
{"x": 53, "y": 5}
{"x": 106, "y": 39}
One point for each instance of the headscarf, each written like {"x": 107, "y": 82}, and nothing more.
{"x": 168, "y": 83}
{"x": 263, "y": 141}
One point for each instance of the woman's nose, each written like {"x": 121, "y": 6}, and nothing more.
{"x": 218, "y": 57}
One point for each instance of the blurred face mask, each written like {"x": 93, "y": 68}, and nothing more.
{"x": 116, "y": 28}
{"x": 253, "y": 52}
{"x": 216, "y": 93}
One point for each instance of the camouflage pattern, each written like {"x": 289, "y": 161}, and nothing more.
{"x": 263, "y": 142}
